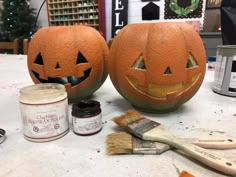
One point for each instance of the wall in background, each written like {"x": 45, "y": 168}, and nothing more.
{"x": 43, "y": 16}
{"x": 134, "y": 13}
{"x": 108, "y": 4}
{"x": 43, "y": 19}
{"x": 212, "y": 22}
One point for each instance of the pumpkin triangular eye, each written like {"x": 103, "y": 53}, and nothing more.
{"x": 168, "y": 71}
{"x": 81, "y": 59}
{"x": 191, "y": 62}
{"x": 39, "y": 60}
{"x": 140, "y": 64}
{"x": 58, "y": 66}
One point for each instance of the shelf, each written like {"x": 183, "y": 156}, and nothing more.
{"x": 210, "y": 33}
{"x": 78, "y": 20}
{"x": 68, "y": 7}
{"x": 66, "y": 14}
{"x": 72, "y": 12}
{"x": 70, "y": 1}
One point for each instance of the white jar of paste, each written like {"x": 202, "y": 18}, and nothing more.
{"x": 44, "y": 111}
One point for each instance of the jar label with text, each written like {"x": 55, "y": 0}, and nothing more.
{"x": 232, "y": 83}
{"x": 45, "y": 121}
{"x": 87, "y": 125}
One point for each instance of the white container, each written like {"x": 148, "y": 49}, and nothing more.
{"x": 44, "y": 112}
{"x": 225, "y": 71}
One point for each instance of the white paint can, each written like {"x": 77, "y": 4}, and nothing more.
{"x": 225, "y": 70}
{"x": 44, "y": 111}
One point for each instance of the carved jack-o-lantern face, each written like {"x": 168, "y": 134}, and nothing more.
{"x": 157, "y": 67}
{"x": 74, "y": 56}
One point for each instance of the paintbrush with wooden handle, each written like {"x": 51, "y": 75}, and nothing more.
{"x": 147, "y": 129}
{"x": 125, "y": 143}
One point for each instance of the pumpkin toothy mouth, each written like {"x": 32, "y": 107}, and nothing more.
{"x": 72, "y": 80}
{"x": 162, "y": 91}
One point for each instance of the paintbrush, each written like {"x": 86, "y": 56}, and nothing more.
{"x": 125, "y": 143}
{"x": 147, "y": 129}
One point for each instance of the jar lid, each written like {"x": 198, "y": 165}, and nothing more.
{"x": 86, "y": 108}
{"x": 42, "y": 93}
{"x": 212, "y": 58}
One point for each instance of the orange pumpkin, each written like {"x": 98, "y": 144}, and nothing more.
{"x": 157, "y": 67}
{"x": 71, "y": 55}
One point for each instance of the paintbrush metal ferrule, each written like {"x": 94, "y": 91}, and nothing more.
{"x": 141, "y": 126}
{"x": 148, "y": 147}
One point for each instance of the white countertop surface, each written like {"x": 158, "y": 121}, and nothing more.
{"x": 85, "y": 156}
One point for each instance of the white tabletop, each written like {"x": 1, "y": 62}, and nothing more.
{"x": 85, "y": 156}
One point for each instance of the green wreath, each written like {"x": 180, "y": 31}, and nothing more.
{"x": 180, "y": 11}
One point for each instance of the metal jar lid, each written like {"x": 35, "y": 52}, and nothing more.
{"x": 86, "y": 108}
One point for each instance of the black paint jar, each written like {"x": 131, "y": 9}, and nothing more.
{"x": 86, "y": 117}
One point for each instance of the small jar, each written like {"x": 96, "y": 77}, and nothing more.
{"x": 211, "y": 62}
{"x": 44, "y": 111}
{"x": 86, "y": 117}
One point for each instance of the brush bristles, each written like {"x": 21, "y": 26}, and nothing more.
{"x": 119, "y": 143}
{"x": 129, "y": 117}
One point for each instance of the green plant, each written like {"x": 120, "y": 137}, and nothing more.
{"x": 18, "y": 21}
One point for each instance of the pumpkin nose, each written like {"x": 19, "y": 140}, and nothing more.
{"x": 57, "y": 66}
{"x": 168, "y": 71}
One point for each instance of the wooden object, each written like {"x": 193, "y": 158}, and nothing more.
{"x": 214, "y": 161}
{"x": 73, "y": 12}
{"x": 25, "y": 46}
{"x": 146, "y": 129}
{"x": 14, "y": 46}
